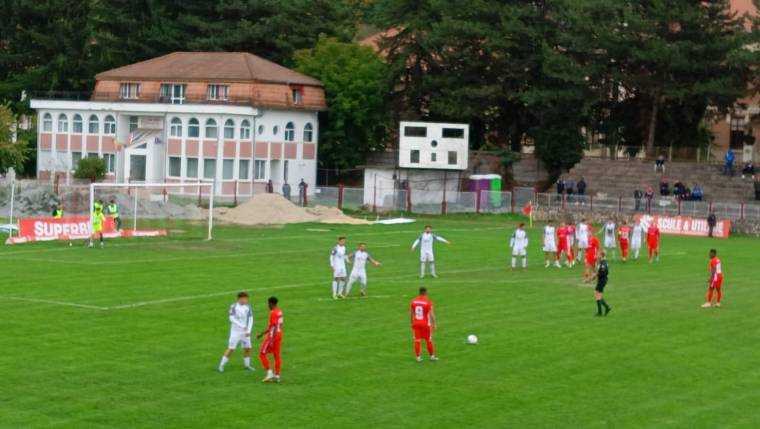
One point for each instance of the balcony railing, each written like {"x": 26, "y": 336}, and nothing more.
{"x": 166, "y": 99}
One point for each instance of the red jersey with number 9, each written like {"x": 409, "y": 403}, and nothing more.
{"x": 421, "y": 307}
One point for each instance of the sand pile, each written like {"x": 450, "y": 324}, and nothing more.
{"x": 273, "y": 209}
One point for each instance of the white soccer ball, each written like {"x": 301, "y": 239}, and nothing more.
{"x": 472, "y": 339}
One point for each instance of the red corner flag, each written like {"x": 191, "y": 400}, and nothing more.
{"x": 527, "y": 209}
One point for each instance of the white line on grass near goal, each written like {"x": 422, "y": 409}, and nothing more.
{"x": 48, "y": 301}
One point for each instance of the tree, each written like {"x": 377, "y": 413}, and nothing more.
{"x": 92, "y": 169}
{"x": 356, "y": 84}
{"x": 14, "y": 151}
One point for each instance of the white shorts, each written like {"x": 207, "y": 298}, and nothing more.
{"x": 339, "y": 272}
{"x": 570, "y": 241}
{"x": 583, "y": 242}
{"x": 550, "y": 246}
{"x": 360, "y": 277}
{"x": 609, "y": 242}
{"x": 636, "y": 244}
{"x": 518, "y": 251}
{"x": 239, "y": 337}
{"x": 427, "y": 257}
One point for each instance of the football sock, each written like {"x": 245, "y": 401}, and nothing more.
{"x": 709, "y": 295}
{"x": 224, "y": 361}
{"x": 422, "y": 269}
{"x": 514, "y": 262}
{"x": 335, "y": 287}
{"x": 417, "y": 348}
{"x": 432, "y": 269}
{"x": 341, "y": 287}
{"x": 525, "y": 262}
{"x": 247, "y": 361}
{"x": 719, "y": 294}
{"x": 277, "y": 364}
{"x": 604, "y": 303}
{"x": 430, "y": 348}
{"x": 598, "y": 306}
{"x": 264, "y": 361}
{"x": 348, "y": 288}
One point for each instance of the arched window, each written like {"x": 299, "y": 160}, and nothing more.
{"x": 275, "y": 130}
{"x": 93, "y": 125}
{"x": 47, "y": 123}
{"x": 193, "y": 128}
{"x": 229, "y": 129}
{"x": 261, "y": 129}
{"x": 245, "y": 130}
{"x": 290, "y": 132}
{"x": 77, "y": 124}
{"x": 63, "y": 123}
{"x": 176, "y": 127}
{"x": 211, "y": 130}
{"x": 308, "y": 132}
{"x": 109, "y": 125}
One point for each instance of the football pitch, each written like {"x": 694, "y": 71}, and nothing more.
{"x": 131, "y": 335}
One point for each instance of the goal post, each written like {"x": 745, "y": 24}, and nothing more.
{"x": 147, "y": 209}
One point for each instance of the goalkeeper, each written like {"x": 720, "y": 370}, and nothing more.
{"x": 113, "y": 212}
{"x": 97, "y": 224}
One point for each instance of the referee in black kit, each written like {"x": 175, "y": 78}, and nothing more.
{"x": 602, "y": 272}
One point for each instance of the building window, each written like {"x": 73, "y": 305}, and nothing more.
{"x": 175, "y": 166}
{"x": 245, "y": 130}
{"x": 228, "y": 169}
{"x": 290, "y": 132}
{"x": 243, "y": 169}
{"x": 275, "y": 130}
{"x": 47, "y": 123}
{"x": 433, "y": 157}
{"x": 109, "y": 125}
{"x": 133, "y": 123}
{"x": 129, "y": 91}
{"x": 453, "y": 133}
{"x": 63, "y": 123}
{"x": 229, "y": 129}
{"x": 218, "y": 92}
{"x": 173, "y": 93}
{"x": 110, "y": 160}
{"x": 92, "y": 155}
{"x": 297, "y": 94}
{"x": 75, "y": 158}
{"x": 414, "y": 156}
{"x": 259, "y": 169}
{"x": 209, "y": 168}
{"x": 192, "y": 168}
{"x": 211, "y": 130}
{"x": 175, "y": 130}
{"x": 308, "y": 133}
{"x": 452, "y": 157}
{"x": 77, "y": 124}
{"x": 261, "y": 129}
{"x": 415, "y": 131}
{"x": 193, "y": 128}
{"x": 93, "y": 125}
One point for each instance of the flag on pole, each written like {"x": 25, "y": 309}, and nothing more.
{"x": 528, "y": 211}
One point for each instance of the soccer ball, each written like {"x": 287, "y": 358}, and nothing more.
{"x": 472, "y": 339}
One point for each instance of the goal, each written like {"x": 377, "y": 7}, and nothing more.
{"x": 155, "y": 209}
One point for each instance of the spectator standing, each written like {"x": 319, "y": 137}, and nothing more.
{"x": 697, "y": 194}
{"x": 270, "y": 187}
{"x": 728, "y": 166}
{"x": 582, "y": 187}
{"x": 560, "y": 186}
{"x": 286, "y": 190}
{"x": 664, "y": 188}
{"x": 659, "y": 164}
{"x": 748, "y": 170}
{"x": 711, "y": 221}
{"x": 637, "y": 195}
{"x": 757, "y": 188}
{"x": 649, "y": 195}
{"x": 302, "y": 192}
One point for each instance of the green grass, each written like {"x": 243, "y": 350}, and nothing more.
{"x": 543, "y": 360}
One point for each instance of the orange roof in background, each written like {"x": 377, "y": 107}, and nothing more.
{"x": 209, "y": 66}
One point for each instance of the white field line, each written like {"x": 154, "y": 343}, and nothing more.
{"x": 360, "y": 297}
{"x": 48, "y": 301}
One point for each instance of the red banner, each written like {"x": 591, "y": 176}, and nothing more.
{"x": 685, "y": 225}
{"x": 70, "y": 228}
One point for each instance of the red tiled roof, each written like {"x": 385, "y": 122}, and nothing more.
{"x": 209, "y": 66}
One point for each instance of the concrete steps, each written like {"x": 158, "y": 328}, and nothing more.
{"x": 622, "y": 177}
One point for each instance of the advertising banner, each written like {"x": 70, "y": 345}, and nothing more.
{"x": 685, "y": 225}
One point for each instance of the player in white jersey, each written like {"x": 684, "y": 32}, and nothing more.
{"x": 359, "y": 269}
{"x": 519, "y": 244}
{"x": 425, "y": 241}
{"x": 582, "y": 234}
{"x": 338, "y": 266}
{"x": 550, "y": 245}
{"x": 636, "y": 233}
{"x": 241, "y": 324}
{"x": 609, "y": 230}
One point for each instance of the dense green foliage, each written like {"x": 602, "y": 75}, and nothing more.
{"x": 14, "y": 149}
{"x": 144, "y": 353}
{"x": 91, "y": 168}
{"x": 356, "y": 86}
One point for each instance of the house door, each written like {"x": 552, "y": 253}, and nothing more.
{"x": 137, "y": 167}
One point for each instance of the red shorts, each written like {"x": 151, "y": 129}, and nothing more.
{"x": 271, "y": 345}
{"x": 590, "y": 259}
{"x": 421, "y": 332}
{"x": 652, "y": 244}
{"x": 717, "y": 282}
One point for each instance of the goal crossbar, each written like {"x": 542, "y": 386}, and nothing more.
{"x": 210, "y": 185}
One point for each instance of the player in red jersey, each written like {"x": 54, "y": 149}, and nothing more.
{"x": 423, "y": 324}
{"x": 571, "y": 249}
{"x": 591, "y": 255}
{"x": 562, "y": 243}
{"x": 624, "y": 234}
{"x": 714, "y": 282}
{"x": 653, "y": 241}
{"x": 272, "y": 342}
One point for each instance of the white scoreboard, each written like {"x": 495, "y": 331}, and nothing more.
{"x": 433, "y": 145}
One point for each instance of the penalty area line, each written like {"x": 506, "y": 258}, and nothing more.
{"x": 53, "y": 302}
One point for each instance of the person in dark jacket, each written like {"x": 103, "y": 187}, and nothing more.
{"x": 637, "y": 195}
{"x": 711, "y": 221}
{"x": 581, "y": 187}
